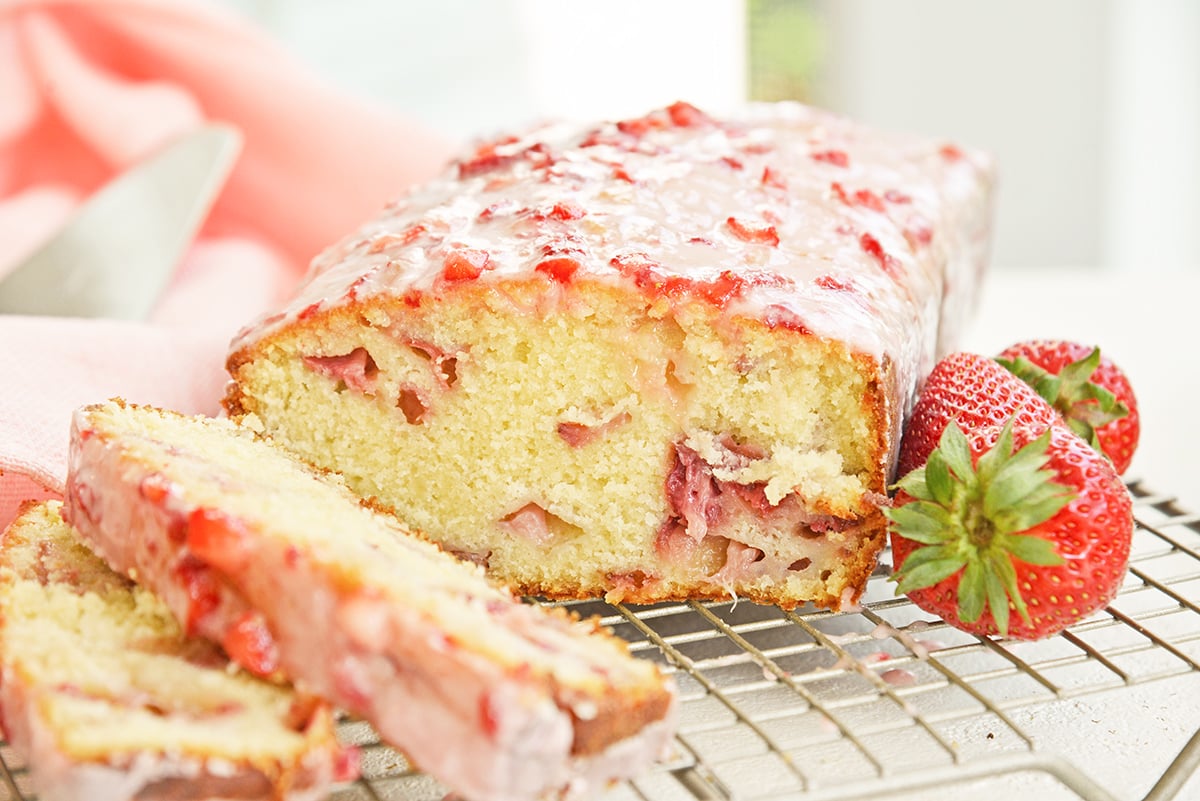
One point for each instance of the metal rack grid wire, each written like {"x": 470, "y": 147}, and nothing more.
{"x": 812, "y": 704}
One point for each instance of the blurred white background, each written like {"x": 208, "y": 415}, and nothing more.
{"x": 1092, "y": 107}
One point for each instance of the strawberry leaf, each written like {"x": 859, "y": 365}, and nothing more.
{"x": 914, "y": 484}
{"x": 928, "y": 574}
{"x": 997, "y": 597}
{"x": 1021, "y": 493}
{"x": 1096, "y": 407}
{"x": 939, "y": 480}
{"x": 954, "y": 449}
{"x": 1033, "y": 550}
{"x": 927, "y": 566}
{"x": 971, "y": 592}
{"x": 1043, "y": 381}
{"x": 1085, "y": 405}
{"x": 1077, "y": 375}
{"x": 923, "y": 522}
{"x": 931, "y": 553}
{"x": 1048, "y": 386}
{"x": 1086, "y": 431}
{"x": 1003, "y": 570}
{"x": 1031, "y": 513}
{"x": 995, "y": 459}
{"x": 1105, "y": 399}
{"x": 1010, "y": 487}
{"x": 1010, "y": 468}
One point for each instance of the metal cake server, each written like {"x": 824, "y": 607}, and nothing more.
{"x": 115, "y": 256}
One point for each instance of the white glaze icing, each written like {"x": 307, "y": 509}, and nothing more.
{"x": 881, "y": 237}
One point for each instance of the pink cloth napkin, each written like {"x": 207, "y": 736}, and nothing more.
{"x": 90, "y": 87}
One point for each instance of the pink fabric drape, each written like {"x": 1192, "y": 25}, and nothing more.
{"x": 90, "y": 87}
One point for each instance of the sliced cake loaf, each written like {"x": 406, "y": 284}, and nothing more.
{"x": 284, "y": 567}
{"x": 662, "y": 358}
{"x": 105, "y": 698}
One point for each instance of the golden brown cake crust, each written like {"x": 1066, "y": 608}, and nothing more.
{"x": 859, "y": 568}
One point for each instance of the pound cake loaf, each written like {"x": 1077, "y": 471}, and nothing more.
{"x": 105, "y": 699}
{"x": 287, "y": 569}
{"x": 663, "y": 358}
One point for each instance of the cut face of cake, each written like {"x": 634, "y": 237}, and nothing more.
{"x": 106, "y": 699}
{"x": 658, "y": 359}
{"x": 284, "y": 567}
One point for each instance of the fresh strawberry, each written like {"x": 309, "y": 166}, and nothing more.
{"x": 1015, "y": 518}
{"x": 1091, "y": 393}
{"x": 975, "y": 391}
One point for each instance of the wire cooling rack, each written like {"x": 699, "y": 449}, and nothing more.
{"x": 882, "y": 701}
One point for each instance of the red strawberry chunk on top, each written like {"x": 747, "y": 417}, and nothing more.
{"x": 464, "y": 264}
{"x": 560, "y": 268}
{"x": 685, "y": 115}
{"x": 887, "y": 262}
{"x": 836, "y": 157}
{"x": 751, "y": 231}
{"x": 772, "y": 177}
{"x": 563, "y": 210}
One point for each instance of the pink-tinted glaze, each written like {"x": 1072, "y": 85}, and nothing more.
{"x": 55, "y": 774}
{"x": 490, "y": 730}
{"x": 132, "y": 520}
{"x": 150, "y": 774}
{"x": 783, "y": 213}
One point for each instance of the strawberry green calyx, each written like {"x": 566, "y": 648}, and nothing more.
{"x": 1085, "y": 405}
{"x": 973, "y": 518}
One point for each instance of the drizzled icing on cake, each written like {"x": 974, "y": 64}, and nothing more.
{"x": 788, "y": 214}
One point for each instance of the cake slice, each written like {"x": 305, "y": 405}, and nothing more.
{"x": 105, "y": 698}
{"x": 662, "y": 358}
{"x": 286, "y": 569}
